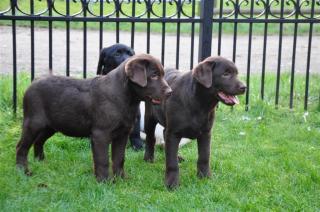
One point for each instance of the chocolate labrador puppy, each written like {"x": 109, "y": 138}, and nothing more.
{"x": 103, "y": 108}
{"x": 189, "y": 112}
{"x": 109, "y": 59}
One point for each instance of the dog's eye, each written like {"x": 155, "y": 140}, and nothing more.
{"x": 226, "y": 74}
{"x": 117, "y": 54}
{"x": 154, "y": 77}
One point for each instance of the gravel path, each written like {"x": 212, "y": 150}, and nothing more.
{"x": 76, "y": 50}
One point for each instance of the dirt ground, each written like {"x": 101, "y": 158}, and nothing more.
{"x": 76, "y": 50}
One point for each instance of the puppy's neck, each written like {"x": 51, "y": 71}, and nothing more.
{"x": 118, "y": 80}
{"x": 206, "y": 98}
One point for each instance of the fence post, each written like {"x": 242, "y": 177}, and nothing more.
{"x": 205, "y": 35}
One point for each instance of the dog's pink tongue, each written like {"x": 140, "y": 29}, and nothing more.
{"x": 229, "y": 99}
{"x": 156, "y": 101}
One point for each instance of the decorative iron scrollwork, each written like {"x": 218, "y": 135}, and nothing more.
{"x": 245, "y": 9}
{"x": 277, "y": 9}
{"x": 184, "y": 5}
{"x": 100, "y": 8}
{"x": 6, "y": 9}
{"x": 36, "y": 13}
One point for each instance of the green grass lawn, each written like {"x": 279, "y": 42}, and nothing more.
{"x": 228, "y": 28}
{"x": 263, "y": 159}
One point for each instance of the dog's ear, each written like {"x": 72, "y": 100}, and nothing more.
{"x": 203, "y": 73}
{"x": 136, "y": 71}
{"x": 132, "y": 52}
{"x": 100, "y": 63}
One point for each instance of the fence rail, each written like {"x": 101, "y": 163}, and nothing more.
{"x": 170, "y": 11}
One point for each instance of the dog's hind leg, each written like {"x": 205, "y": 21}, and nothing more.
{"x": 29, "y": 133}
{"x": 149, "y": 128}
{"x": 42, "y": 137}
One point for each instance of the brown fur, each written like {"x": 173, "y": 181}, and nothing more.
{"x": 103, "y": 108}
{"x": 189, "y": 112}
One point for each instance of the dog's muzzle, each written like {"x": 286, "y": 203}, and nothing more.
{"x": 167, "y": 92}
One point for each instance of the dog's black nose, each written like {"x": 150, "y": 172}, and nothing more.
{"x": 242, "y": 88}
{"x": 168, "y": 92}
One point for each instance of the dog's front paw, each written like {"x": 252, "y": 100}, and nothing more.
{"x": 148, "y": 158}
{"x": 172, "y": 180}
{"x": 24, "y": 168}
{"x": 39, "y": 157}
{"x": 119, "y": 173}
{"x": 28, "y": 172}
{"x": 137, "y": 144}
{"x": 102, "y": 178}
{"x": 180, "y": 159}
{"x": 204, "y": 173}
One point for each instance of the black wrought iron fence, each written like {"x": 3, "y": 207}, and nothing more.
{"x": 164, "y": 12}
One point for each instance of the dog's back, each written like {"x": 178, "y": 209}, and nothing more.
{"x": 178, "y": 80}
{"x": 60, "y": 102}
{"x": 171, "y": 75}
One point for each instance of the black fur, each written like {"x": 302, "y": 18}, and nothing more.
{"x": 112, "y": 56}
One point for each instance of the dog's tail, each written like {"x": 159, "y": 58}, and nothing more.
{"x": 100, "y": 64}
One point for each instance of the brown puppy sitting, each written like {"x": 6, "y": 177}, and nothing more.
{"x": 189, "y": 112}
{"x": 103, "y": 108}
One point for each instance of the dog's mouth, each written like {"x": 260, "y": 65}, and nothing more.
{"x": 154, "y": 100}
{"x": 228, "y": 99}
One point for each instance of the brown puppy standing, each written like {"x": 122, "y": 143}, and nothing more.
{"x": 103, "y": 108}
{"x": 189, "y": 112}
{"x": 109, "y": 59}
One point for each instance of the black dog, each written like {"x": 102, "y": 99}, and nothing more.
{"x": 103, "y": 108}
{"x": 110, "y": 58}
{"x": 189, "y": 112}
